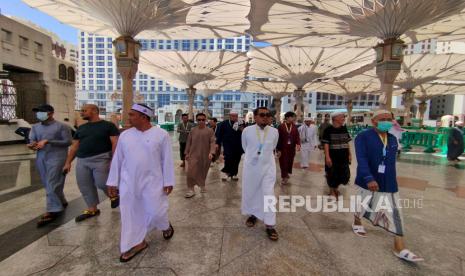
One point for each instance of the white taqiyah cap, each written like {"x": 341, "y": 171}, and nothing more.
{"x": 335, "y": 114}
{"x": 142, "y": 109}
{"x": 380, "y": 112}
{"x": 309, "y": 119}
{"x": 234, "y": 111}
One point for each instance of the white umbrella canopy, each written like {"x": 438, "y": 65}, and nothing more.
{"x": 349, "y": 88}
{"x": 151, "y": 19}
{"x": 272, "y": 88}
{"x": 189, "y": 68}
{"x": 427, "y": 91}
{"x": 276, "y": 89}
{"x": 303, "y": 65}
{"x": 208, "y": 88}
{"x": 356, "y": 23}
{"x": 420, "y": 69}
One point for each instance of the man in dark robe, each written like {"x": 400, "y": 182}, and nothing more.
{"x": 228, "y": 135}
{"x": 455, "y": 144}
{"x": 288, "y": 143}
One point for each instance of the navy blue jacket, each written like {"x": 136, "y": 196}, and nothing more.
{"x": 369, "y": 151}
{"x": 230, "y": 139}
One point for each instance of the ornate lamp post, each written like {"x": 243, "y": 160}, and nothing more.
{"x": 299, "y": 100}
{"x": 127, "y": 59}
{"x": 389, "y": 57}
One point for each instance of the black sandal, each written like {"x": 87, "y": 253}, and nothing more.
{"x": 168, "y": 234}
{"x": 251, "y": 221}
{"x": 114, "y": 202}
{"x": 133, "y": 253}
{"x": 46, "y": 219}
{"x": 272, "y": 234}
{"x": 87, "y": 214}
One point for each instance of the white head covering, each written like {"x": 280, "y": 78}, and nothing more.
{"x": 459, "y": 123}
{"x": 335, "y": 114}
{"x": 380, "y": 112}
{"x": 142, "y": 109}
{"x": 234, "y": 111}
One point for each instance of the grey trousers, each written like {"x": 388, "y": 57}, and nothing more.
{"x": 92, "y": 173}
{"x": 53, "y": 179}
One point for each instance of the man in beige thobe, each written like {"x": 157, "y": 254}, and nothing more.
{"x": 200, "y": 149}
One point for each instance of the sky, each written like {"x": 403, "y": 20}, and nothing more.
{"x": 19, "y": 9}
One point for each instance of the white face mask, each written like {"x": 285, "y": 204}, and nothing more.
{"x": 41, "y": 116}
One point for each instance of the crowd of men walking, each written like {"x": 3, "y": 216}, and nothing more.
{"x": 135, "y": 169}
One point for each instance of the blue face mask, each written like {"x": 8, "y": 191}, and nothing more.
{"x": 42, "y": 116}
{"x": 384, "y": 126}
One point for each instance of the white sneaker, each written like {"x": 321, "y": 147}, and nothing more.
{"x": 203, "y": 190}
{"x": 190, "y": 194}
{"x": 234, "y": 178}
{"x": 224, "y": 176}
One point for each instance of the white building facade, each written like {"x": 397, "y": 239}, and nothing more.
{"x": 99, "y": 82}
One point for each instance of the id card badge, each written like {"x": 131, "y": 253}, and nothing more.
{"x": 382, "y": 168}
{"x": 289, "y": 141}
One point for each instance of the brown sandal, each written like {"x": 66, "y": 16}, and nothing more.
{"x": 251, "y": 221}
{"x": 272, "y": 234}
{"x": 133, "y": 252}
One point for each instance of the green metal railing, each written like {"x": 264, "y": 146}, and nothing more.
{"x": 423, "y": 139}
{"x": 167, "y": 126}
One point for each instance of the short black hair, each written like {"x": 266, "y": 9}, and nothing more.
{"x": 214, "y": 119}
{"x": 184, "y": 115}
{"x": 200, "y": 114}
{"x": 289, "y": 114}
{"x": 255, "y": 112}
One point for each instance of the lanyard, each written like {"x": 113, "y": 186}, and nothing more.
{"x": 288, "y": 129}
{"x": 385, "y": 142}
{"x": 261, "y": 142}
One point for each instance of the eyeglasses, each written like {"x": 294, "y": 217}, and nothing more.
{"x": 201, "y": 120}
{"x": 263, "y": 115}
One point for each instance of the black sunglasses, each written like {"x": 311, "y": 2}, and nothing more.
{"x": 201, "y": 120}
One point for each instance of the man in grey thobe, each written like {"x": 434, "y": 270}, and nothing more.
{"x": 51, "y": 140}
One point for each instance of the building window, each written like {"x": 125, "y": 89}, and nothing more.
{"x": 71, "y": 74}
{"x": 23, "y": 42}
{"x": 39, "y": 47}
{"x": 62, "y": 72}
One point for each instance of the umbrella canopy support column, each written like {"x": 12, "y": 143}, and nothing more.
{"x": 277, "y": 100}
{"x": 389, "y": 60}
{"x": 350, "y": 107}
{"x": 299, "y": 101}
{"x": 422, "y": 106}
{"x": 206, "y": 103}
{"x": 408, "y": 98}
{"x": 191, "y": 98}
{"x": 127, "y": 60}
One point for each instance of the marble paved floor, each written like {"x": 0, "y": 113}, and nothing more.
{"x": 211, "y": 238}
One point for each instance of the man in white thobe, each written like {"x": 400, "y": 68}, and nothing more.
{"x": 308, "y": 139}
{"x": 259, "y": 174}
{"x": 143, "y": 170}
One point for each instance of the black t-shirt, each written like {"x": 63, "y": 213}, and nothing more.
{"x": 338, "y": 140}
{"x": 94, "y": 138}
